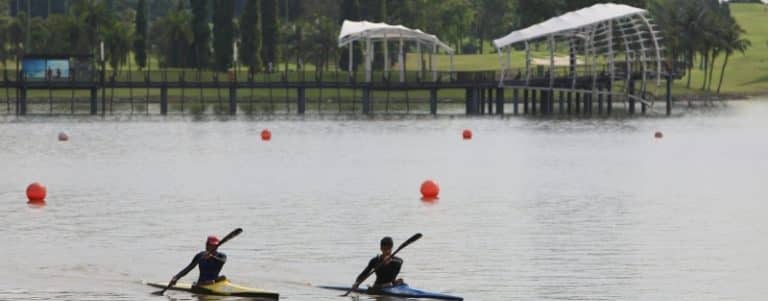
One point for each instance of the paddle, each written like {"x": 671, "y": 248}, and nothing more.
{"x": 229, "y": 236}
{"x": 413, "y": 238}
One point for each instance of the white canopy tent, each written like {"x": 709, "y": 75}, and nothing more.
{"x": 370, "y": 33}
{"x": 604, "y": 31}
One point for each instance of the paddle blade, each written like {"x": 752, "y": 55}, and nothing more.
{"x": 413, "y": 238}
{"x": 158, "y": 293}
{"x": 231, "y": 235}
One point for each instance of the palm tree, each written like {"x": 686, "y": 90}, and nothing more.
{"x": 117, "y": 39}
{"x": 173, "y": 35}
{"x": 733, "y": 42}
{"x": 93, "y": 15}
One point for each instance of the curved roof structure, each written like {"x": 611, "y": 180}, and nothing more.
{"x": 592, "y": 15}
{"x": 354, "y": 30}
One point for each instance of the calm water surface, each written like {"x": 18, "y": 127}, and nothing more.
{"x": 529, "y": 210}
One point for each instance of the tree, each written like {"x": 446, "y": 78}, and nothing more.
{"x": 350, "y": 10}
{"x": 173, "y": 36}
{"x": 530, "y": 12}
{"x": 140, "y": 41}
{"x": 93, "y": 15}
{"x": 223, "y": 33}
{"x": 202, "y": 33}
{"x": 270, "y": 30}
{"x": 493, "y": 18}
{"x": 117, "y": 45}
{"x": 733, "y": 42}
{"x": 250, "y": 28}
{"x": 321, "y": 42}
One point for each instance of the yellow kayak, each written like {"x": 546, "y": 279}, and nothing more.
{"x": 220, "y": 288}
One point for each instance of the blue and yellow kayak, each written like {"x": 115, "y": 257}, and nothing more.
{"x": 220, "y": 288}
{"x": 402, "y": 290}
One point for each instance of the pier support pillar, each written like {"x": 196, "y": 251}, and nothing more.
{"x": 433, "y": 101}
{"x": 600, "y": 100}
{"x": 94, "y": 100}
{"x": 21, "y": 105}
{"x": 164, "y": 101}
{"x": 669, "y": 95}
{"x": 631, "y": 99}
{"x": 609, "y": 89}
{"x": 515, "y": 100}
{"x": 301, "y": 106}
{"x": 366, "y": 100}
{"x": 232, "y": 100}
{"x": 500, "y": 101}
{"x": 525, "y": 100}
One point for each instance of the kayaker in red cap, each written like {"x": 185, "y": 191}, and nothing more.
{"x": 209, "y": 261}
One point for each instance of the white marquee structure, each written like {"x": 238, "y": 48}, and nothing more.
{"x": 370, "y": 33}
{"x": 622, "y": 37}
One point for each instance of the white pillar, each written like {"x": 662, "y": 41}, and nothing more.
{"x": 368, "y": 59}
{"x": 401, "y": 57}
{"x": 386, "y": 57}
{"x": 551, "y": 61}
{"x": 434, "y": 66}
{"x": 351, "y": 57}
{"x": 421, "y": 66}
{"x": 527, "y": 63}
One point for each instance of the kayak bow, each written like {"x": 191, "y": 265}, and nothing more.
{"x": 402, "y": 290}
{"x": 221, "y": 288}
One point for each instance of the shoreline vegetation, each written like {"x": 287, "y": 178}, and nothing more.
{"x": 302, "y": 35}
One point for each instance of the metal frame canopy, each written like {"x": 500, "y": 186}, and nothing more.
{"x": 370, "y": 33}
{"x": 599, "y": 33}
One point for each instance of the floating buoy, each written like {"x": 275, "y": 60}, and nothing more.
{"x": 429, "y": 189}
{"x": 266, "y": 135}
{"x": 467, "y": 134}
{"x": 63, "y": 136}
{"x": 36, "y": 193}
{"x": 658, "y": 135}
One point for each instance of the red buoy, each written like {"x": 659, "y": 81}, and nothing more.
{"x": 63, "y": 136}
{"x": 266, "y": 135}
{"x": 429, "y": 189}
{"x": 36, "y": 193}
{"x": 467, "y": 134}
{"x": 658, "y": 135}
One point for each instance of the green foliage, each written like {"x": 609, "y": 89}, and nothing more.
{"x": 202, "y": 33}
{"x": 223, "y": 33}
{"x": 140, "y": 41}
{"x": 270, "y": 32}
{"x": 117, "y": 44}
{"x": 250, "y": 31}
{"x": 173, "y": 38}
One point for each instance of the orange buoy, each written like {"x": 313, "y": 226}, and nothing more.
{"x": 658, "y": 135}
{"x": 63, "y": 136}
{"x": 266, "y": 135}
{"x": 36, "y": 193}
{"x": 467, "y": 134}
{"x": 429, "y": 189}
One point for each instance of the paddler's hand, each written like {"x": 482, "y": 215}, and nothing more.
{"x": 173, "y": 280}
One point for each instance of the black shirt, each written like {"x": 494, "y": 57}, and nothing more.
{"x": 209, "y": 268}
{"x": 384, "y": 274}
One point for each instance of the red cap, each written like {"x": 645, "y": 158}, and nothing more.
{"x": 213, "y": 240}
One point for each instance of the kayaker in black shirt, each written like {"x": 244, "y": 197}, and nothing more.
{"x": 209, "y": 261}
{"x": 386, "y": 274}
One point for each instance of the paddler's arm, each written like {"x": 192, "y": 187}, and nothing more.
{"x": 371, "y": 264}
{"x": 187, "y": 269}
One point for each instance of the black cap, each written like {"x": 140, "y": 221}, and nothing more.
{"x": 387, "y": 242}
